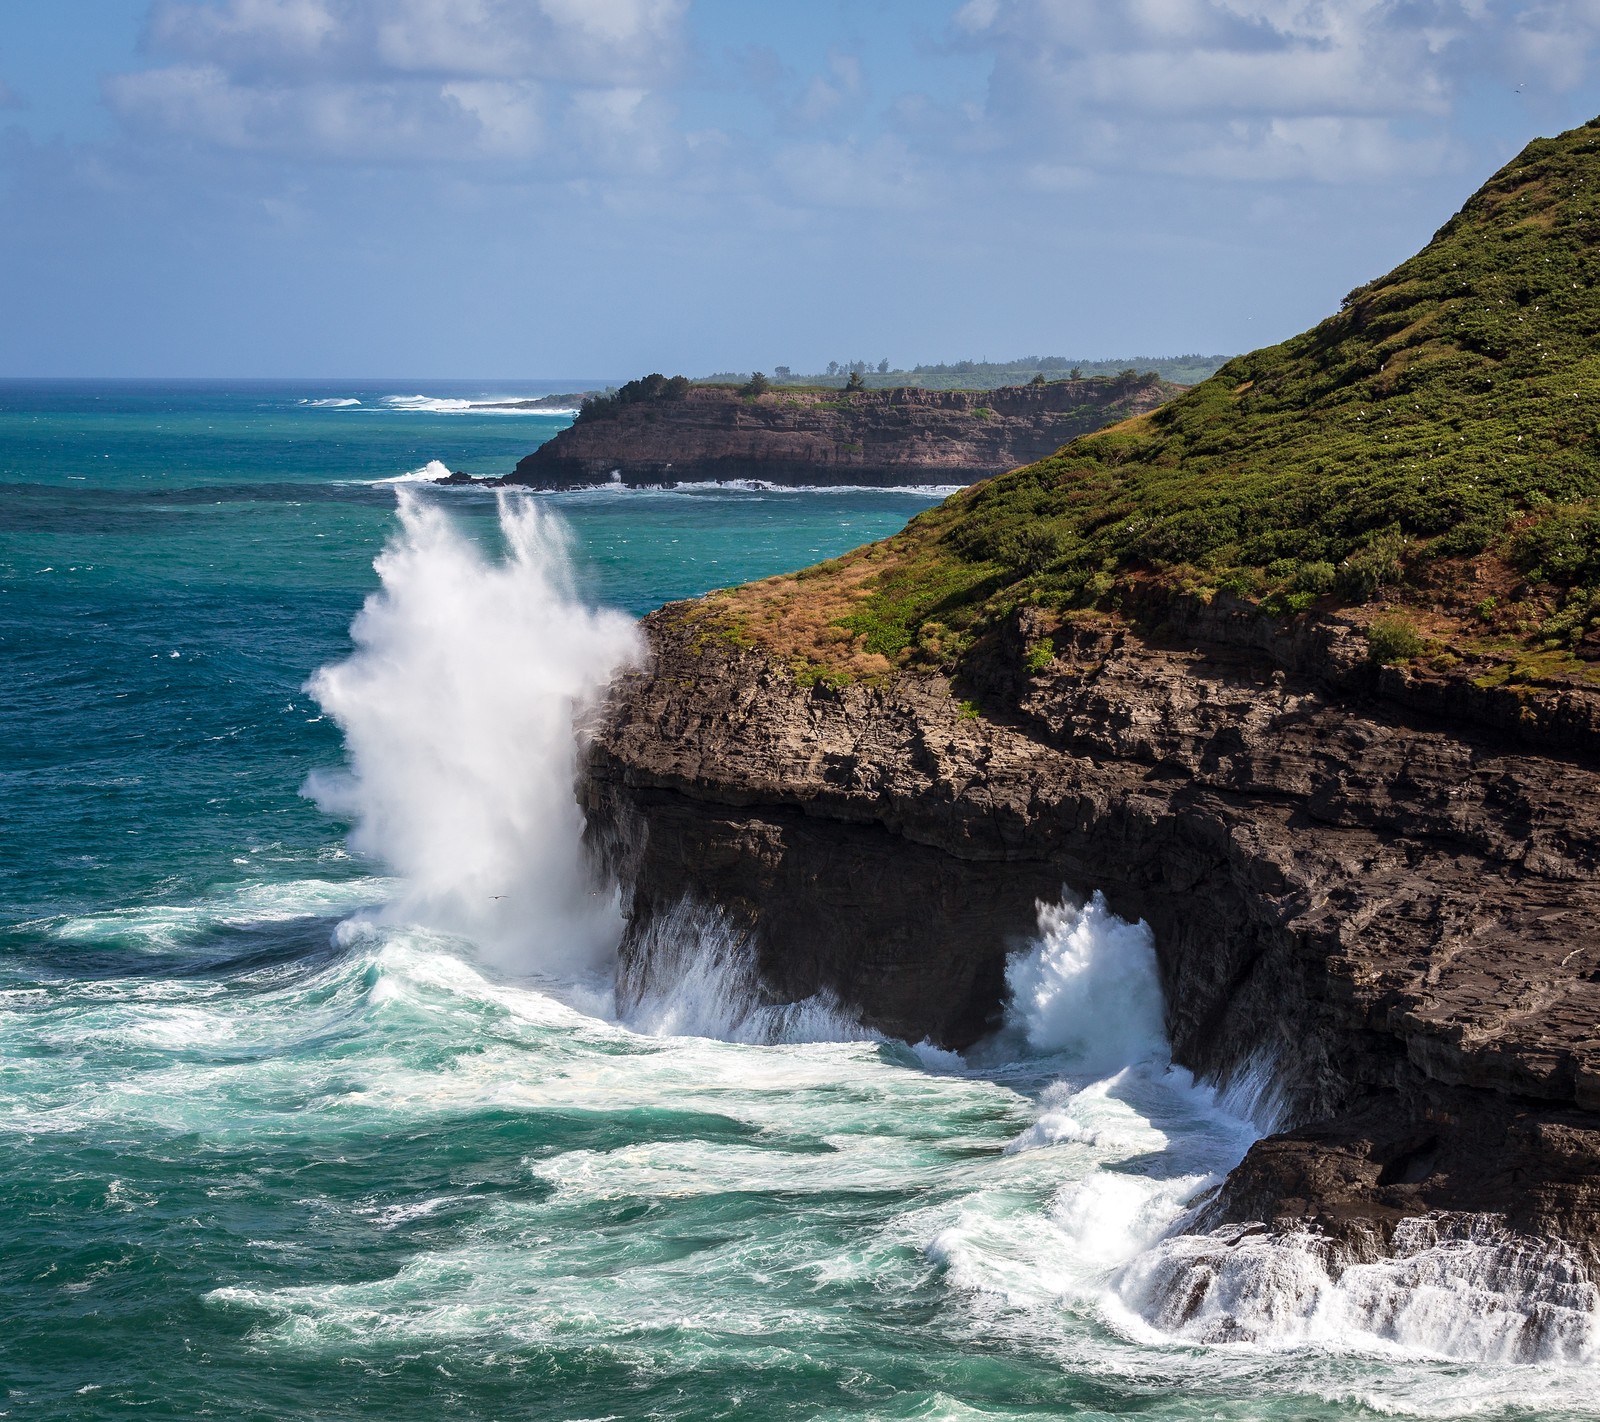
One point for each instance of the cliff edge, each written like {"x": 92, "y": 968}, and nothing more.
{"x": 876, "y": 437}
{"x": 1300, "y": 668}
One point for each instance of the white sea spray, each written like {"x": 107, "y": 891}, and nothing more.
{"x": 458, "y": 708}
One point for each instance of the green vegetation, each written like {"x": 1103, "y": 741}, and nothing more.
{"x": 1428, "y": 457}
{"x": 1393, "y": 639}
{"x": 1436, "y": 440}
{"x": 983, "y": 374}
{"x": 636, "y": 392}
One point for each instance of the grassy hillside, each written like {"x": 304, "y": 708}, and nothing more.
{"x": 1434, "y": 446}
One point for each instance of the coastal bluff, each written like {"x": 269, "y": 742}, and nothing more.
{"x": 1302, "y": 668}
{"x": 833, "y": 437}
{"x": 1375, "y": 888}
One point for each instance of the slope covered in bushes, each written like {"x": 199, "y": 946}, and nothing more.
{"x": 1436, "y": 443}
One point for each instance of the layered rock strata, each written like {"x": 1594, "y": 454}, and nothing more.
{"x": 806, "y": 437}
{"x": 1378, "y": 885}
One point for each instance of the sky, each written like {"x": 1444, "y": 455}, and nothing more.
{"x": 550, "y": 188}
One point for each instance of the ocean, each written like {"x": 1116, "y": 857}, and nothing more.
{"x": 314, "y": 1100}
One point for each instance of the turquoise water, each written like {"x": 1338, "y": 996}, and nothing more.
{"x": 270, "y": 1149}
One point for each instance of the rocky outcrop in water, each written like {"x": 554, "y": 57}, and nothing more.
{"x": 1378, "y": 883}
{"x": 875, "y": 437}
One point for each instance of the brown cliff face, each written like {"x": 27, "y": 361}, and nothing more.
{"x": 1380, "y": 888}
{"x": 877, "y": 437}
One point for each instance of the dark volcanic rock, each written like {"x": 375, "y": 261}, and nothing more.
{"x": 881, "y": 437}
{"x": 458, "y": 477}
{"x": 1381, "y": 888}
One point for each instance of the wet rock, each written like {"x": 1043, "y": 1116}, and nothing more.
{"x": 1389, "y": 898}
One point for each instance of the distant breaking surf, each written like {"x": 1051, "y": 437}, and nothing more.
{"x": 430, "y": 405}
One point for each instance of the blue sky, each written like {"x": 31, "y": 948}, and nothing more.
{"x": 539, "y": 188}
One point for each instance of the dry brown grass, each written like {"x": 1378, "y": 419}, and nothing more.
{"x": 795, "y": 616}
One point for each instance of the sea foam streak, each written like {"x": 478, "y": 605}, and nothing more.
{"x": 509, "y": 405}
{"x": 433, "y": 470}
{"x": 458, "y": 708}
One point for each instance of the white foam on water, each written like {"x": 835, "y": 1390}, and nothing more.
{"x": 694, "y": 975}
{"x": 1451, "y": 1290}
{"x": 505, "y": 405}
{"x": 331, "y": 404}
{"x": 433, "y": 470}
{"x": 459, "y": 707}
{"x": 165, "y": 928}
{"x": 1135, "y": 1144}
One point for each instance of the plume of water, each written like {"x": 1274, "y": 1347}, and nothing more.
{"x": 458, "y": 708}
{"x": 693, "y": 974}
{"x": 1089, "y": 988}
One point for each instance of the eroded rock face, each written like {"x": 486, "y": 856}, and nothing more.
{"x": 1397, "y": 910}
{"x": 878, "y": 437}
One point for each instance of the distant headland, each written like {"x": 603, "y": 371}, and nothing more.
{"x": 673, "y": 430}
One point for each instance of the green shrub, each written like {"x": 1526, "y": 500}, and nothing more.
{"x": 1371, "y": 567}
{"x": 1563, "y": 547}
{"x": 1393, "y": 639}
{"x": 1315, "y": 580}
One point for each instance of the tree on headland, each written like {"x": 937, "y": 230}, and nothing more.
{"x": 1076, "y": 373}
{"x": 654, "y": 386}
{"x": 758, "y": 384}
{"x": 855, "y": 382}
{"x": 1038, "y": 379}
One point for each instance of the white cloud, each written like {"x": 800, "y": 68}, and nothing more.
{"x": 882, "y": 174}
{"x": 1554, "y": 43}
{"x": 582, "y": 41}
{"x": 404, "y": 80}
{"x": 390, "y": 121}
{"x": 829, "y": 94}
{"x": 1332, "y": 90}
{"x": 248, "y": 31}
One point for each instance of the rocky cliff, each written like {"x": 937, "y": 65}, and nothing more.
{"x": 880, "y": 437}
{"x": 1298, "y": 669}
{"x": 1367, "y": 881}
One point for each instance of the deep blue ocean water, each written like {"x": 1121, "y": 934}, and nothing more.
{"x": 254, "y": 1164}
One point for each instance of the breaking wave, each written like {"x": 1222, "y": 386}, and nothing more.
{"x": 1460, "y": 1288}
{"x": 459, "y": 708}
{"x": 432, "y": 470}
{"x": 693, "y": 974}
{"x": 460, "y": 705}
{"x": 507, "y": 405}
{"x": 1087, "y": 996}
